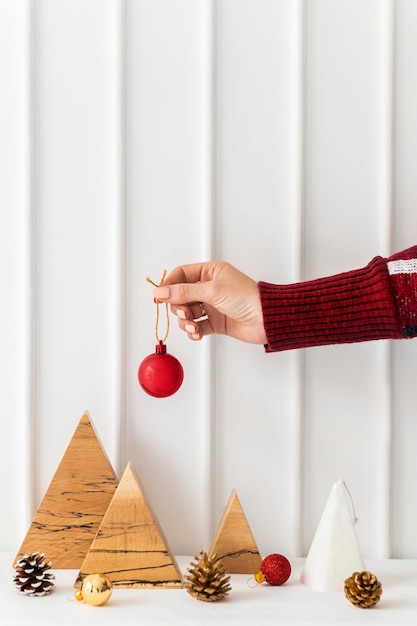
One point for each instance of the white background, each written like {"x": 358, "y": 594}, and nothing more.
{"x": 136, "y": 135}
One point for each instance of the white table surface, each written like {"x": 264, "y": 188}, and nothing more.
{"x": 292, "y": 603}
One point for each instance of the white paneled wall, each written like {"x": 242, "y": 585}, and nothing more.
{"x": 136, "y": 135}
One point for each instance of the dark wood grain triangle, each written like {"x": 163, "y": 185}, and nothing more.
{"x": 73, "y": 506}
{"x": 130, "y": 547}
{"x": 234, "y": 542}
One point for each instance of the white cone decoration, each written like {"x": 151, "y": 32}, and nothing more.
{"x": 334, "y": 553}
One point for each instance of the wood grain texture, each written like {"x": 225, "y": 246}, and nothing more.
{"x": 234, "y": 542}
{"x": 78, "y": 496}
{"x": 130, "y": 548}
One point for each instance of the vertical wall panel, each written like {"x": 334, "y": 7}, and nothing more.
{"x": 346, "y": 399}
{"x": 386, "y": 67}
{"x": 79, "y": 203}
{"x": 404, "y": 503}
{"x": 258, "y": 173}
{"x": 117, "y": 192}
{"x": 208, "y": 208}
{"x": 17, "y": 207}
{"x": 298, "y": 20}
{"x": 168, "y": 167}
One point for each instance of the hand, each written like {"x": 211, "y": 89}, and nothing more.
{"x": 231, "y": 300}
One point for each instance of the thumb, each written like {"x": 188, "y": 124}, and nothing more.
{"x": 181, "y": 293}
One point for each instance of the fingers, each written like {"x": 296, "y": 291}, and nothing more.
{"x": 195, "y": 330}
{"x": 194, "y": 311}
{"x": 191, "y": 320}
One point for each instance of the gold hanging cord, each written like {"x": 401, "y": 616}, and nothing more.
{"x": 164, "y": 273}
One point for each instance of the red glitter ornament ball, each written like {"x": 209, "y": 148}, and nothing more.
{"x": 275, "y": 570}
{"x": 160, "y": 374}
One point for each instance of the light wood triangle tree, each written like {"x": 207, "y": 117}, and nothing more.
{"x": 234, "y": 543}
{"x": 130, "y": 548}
{"x": 75, "y": 502}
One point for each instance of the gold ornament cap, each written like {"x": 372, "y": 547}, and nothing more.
{"x": 260, "y": 577}
{"x": 95, "y": 590}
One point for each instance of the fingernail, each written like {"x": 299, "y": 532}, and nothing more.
{"x": 161, "y": 293}
{"x": 181, "y": 314}
{"x": 189, "y": 328}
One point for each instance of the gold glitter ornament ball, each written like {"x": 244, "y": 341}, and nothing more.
{"x": 96, "y": 590}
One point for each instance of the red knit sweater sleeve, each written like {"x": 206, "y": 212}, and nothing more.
{"x": 378, "y": 301}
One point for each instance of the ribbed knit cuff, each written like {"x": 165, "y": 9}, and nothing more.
{"x": 349, "y": 307}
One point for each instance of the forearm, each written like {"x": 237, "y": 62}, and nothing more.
{"x": 366, "y": 304}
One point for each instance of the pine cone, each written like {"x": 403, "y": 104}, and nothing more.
{"x": 32, "y": 576}
{"x": 363, "y": 589}
{"x": 207, "y": 580}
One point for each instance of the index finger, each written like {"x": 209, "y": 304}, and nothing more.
{"x": 192, "y": 273}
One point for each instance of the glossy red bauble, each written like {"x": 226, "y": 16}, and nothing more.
{"x": 160, "y": 374}
{"x": 275, "y": 570}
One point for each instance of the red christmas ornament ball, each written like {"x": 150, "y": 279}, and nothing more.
{"x": 160, "y": 374}
{"x": 275, "y": 570}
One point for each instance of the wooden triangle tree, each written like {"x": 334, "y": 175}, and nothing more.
{"x": 234, "y": 543}
{"x": 130, "y": 548}
{"x": 71, "y": 511}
